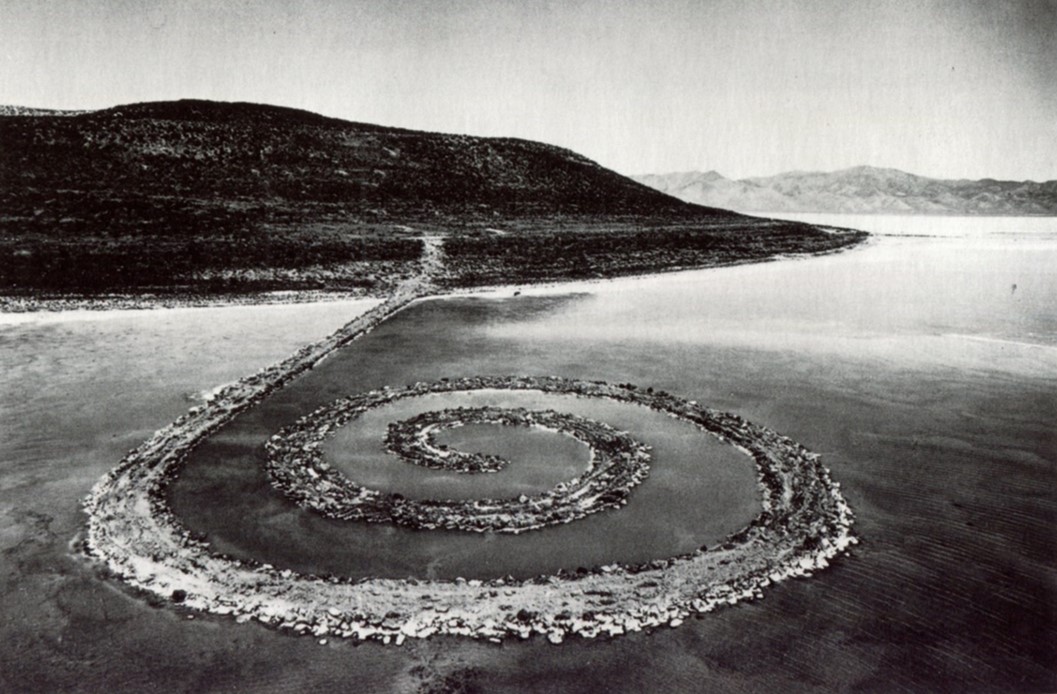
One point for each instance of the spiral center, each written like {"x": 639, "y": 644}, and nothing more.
{"x": 297, "y": 465}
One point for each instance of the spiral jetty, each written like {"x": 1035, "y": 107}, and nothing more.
{"x": 804, "y": 522}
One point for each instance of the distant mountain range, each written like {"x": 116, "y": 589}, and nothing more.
{"x": 859, "y": 190}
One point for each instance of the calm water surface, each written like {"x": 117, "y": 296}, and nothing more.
{"x": 922, "y": 366}
{"x": 698, "y": 491}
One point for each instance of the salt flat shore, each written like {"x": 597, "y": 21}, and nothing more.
{"x": 618, "y": 282}
{"x": 804, "y": 523}
{"x": 140, "y": 302}
{"x": 43, "y": 303}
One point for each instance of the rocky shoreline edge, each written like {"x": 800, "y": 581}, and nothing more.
{"x": 42, "y": 302}
{"x": 804, "y": 524}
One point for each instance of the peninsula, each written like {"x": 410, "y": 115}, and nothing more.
{"x": 191, "y": 202}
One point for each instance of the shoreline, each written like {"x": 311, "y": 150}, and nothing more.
{"x": 550, "y": 287}
{"x": 18, "y": 306}
{"x": 804, "y": 524}
{"x": 102, "y": 314}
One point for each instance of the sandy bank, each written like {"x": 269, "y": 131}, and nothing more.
{"x": 266, "y": 309}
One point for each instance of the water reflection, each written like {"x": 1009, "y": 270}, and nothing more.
{"x": 914, "y": 302}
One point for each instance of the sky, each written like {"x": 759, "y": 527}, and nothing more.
{"x": 951, "y": 89}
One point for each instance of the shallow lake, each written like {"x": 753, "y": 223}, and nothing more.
{"x": 922, "y": 366}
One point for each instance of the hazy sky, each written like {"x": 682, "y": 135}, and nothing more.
{"x": 950, "y": 89}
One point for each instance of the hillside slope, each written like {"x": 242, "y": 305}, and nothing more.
{"x": 860, "y": 190}
{"x": 206, "y": 196}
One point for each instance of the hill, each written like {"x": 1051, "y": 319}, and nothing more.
{"x": 233, "y": 197}
{"x": 860, "y": 190}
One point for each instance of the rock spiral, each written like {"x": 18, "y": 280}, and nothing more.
{"x": 297, "y": 466}
{"x": 804, "y": 520}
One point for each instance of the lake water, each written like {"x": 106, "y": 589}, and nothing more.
{"x": 922, "y": 366}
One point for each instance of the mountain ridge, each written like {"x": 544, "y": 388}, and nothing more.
{"x": 360, "y": 160}
{"x": 860, "y": 190}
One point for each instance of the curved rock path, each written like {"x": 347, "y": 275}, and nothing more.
{"x": 804, "y": 523}
{"x": 617, "y": 465}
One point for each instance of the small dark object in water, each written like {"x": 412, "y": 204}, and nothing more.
{"x": 179, "y": 595}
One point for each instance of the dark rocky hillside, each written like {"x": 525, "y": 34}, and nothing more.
{"x": 219, "y": 197}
